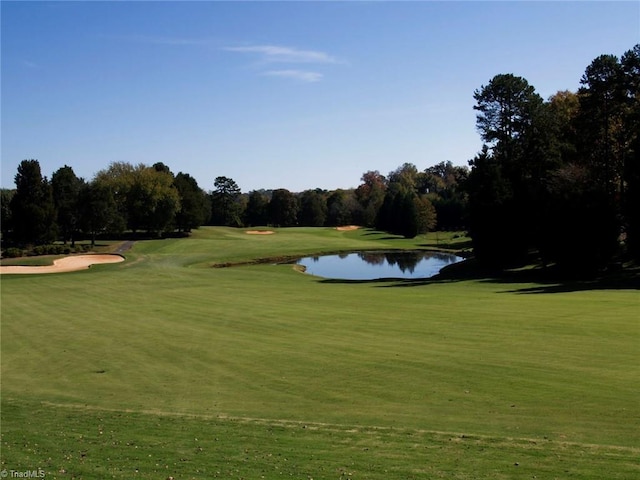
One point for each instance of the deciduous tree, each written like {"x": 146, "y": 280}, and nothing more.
{"x": 153, "y": 201}
{"x": 195, "y": 208}
{"x": 283, "y": 208}
{"x": 443, "y": 184}
{"x": 99, "y": 211}
{"x": 342, "y": 208}
{"x": 313, "y": 208}
{"x": 257, "y": 211}
{"x": 370, "y": 195}
{"x": 118, "y": 178}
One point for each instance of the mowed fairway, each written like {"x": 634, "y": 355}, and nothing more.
{"x": 162, "y": 366}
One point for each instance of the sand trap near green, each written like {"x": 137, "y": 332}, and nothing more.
{"x": 67, "y": 264}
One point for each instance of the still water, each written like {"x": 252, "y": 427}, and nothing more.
{"x": 374, "y": 265}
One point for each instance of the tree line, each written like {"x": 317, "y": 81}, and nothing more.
{"x": 153, "y": 201}
{"x": 558, "y": 179}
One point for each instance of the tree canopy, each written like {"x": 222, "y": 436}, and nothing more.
{"x": 32, "y": 207}
{"x": 557, "y": 180}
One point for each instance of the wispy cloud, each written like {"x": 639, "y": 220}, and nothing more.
{"x": 300, "y": 75}
{"x": 272, "y": 54}
{"x": 275, "y": 53}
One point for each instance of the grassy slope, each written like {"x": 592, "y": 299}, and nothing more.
{"x": 162, "y": 350}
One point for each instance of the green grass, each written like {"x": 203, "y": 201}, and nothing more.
{"x": 277, "y": 373}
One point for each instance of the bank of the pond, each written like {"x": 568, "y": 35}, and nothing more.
{"x": 374, "y": 265}
{"x": 399, "y": 263}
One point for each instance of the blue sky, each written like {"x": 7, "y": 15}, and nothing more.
{"x": 292, "y": 95}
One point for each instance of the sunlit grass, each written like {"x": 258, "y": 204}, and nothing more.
{"x": 450, "y": 379}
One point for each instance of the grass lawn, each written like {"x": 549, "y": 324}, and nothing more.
{"x": 162, "y": 366}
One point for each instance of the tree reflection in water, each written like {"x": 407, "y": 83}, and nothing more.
{"x": 370, "y": 265}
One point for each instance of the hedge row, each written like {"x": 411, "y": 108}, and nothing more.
{"x": 45, "y": 250}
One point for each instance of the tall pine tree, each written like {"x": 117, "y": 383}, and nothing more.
{"x": 32, "y": 207}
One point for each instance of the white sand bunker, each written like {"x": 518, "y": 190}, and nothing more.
{"x": 259, "y": 232}
{"x": 347, "y": 228}
{"x": 66, "y": 264}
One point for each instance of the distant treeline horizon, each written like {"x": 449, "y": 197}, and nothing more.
{"x": 556, "y": 178}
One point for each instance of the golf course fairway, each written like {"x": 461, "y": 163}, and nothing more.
{"x": 163, "y": 366}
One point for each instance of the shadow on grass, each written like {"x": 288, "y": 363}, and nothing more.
{"x": 450, "y": 245}
{"x": 546, "y": 280}
{"x": 388, "y": 237}
{"x": 620, "y": 281}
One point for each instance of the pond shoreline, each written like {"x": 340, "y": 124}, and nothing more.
{"x": 284, "y": 259}
{"x": 293, "y": 259}
{"x": 379, "y": 264}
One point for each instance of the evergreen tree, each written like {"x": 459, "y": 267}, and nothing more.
{"x": 511, "y": 120}
{"x": 580, "y": 223}
{"x": 630, "y": 62}
{"x": 490, "y": 209}
{"x": 224, "y": 203}
{"x": 66, "y": 190}
{"x": 404, "y": 212}
{"x": 5, "y": 210}
{"x": 32, "y": 207}
{"x": 601, "y": 125}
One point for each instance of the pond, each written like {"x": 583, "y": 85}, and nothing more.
{"x": 375, "y": 265}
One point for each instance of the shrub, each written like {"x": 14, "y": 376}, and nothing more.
{"x": 53, "y": 249}
{"x": 13, "y": 252}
